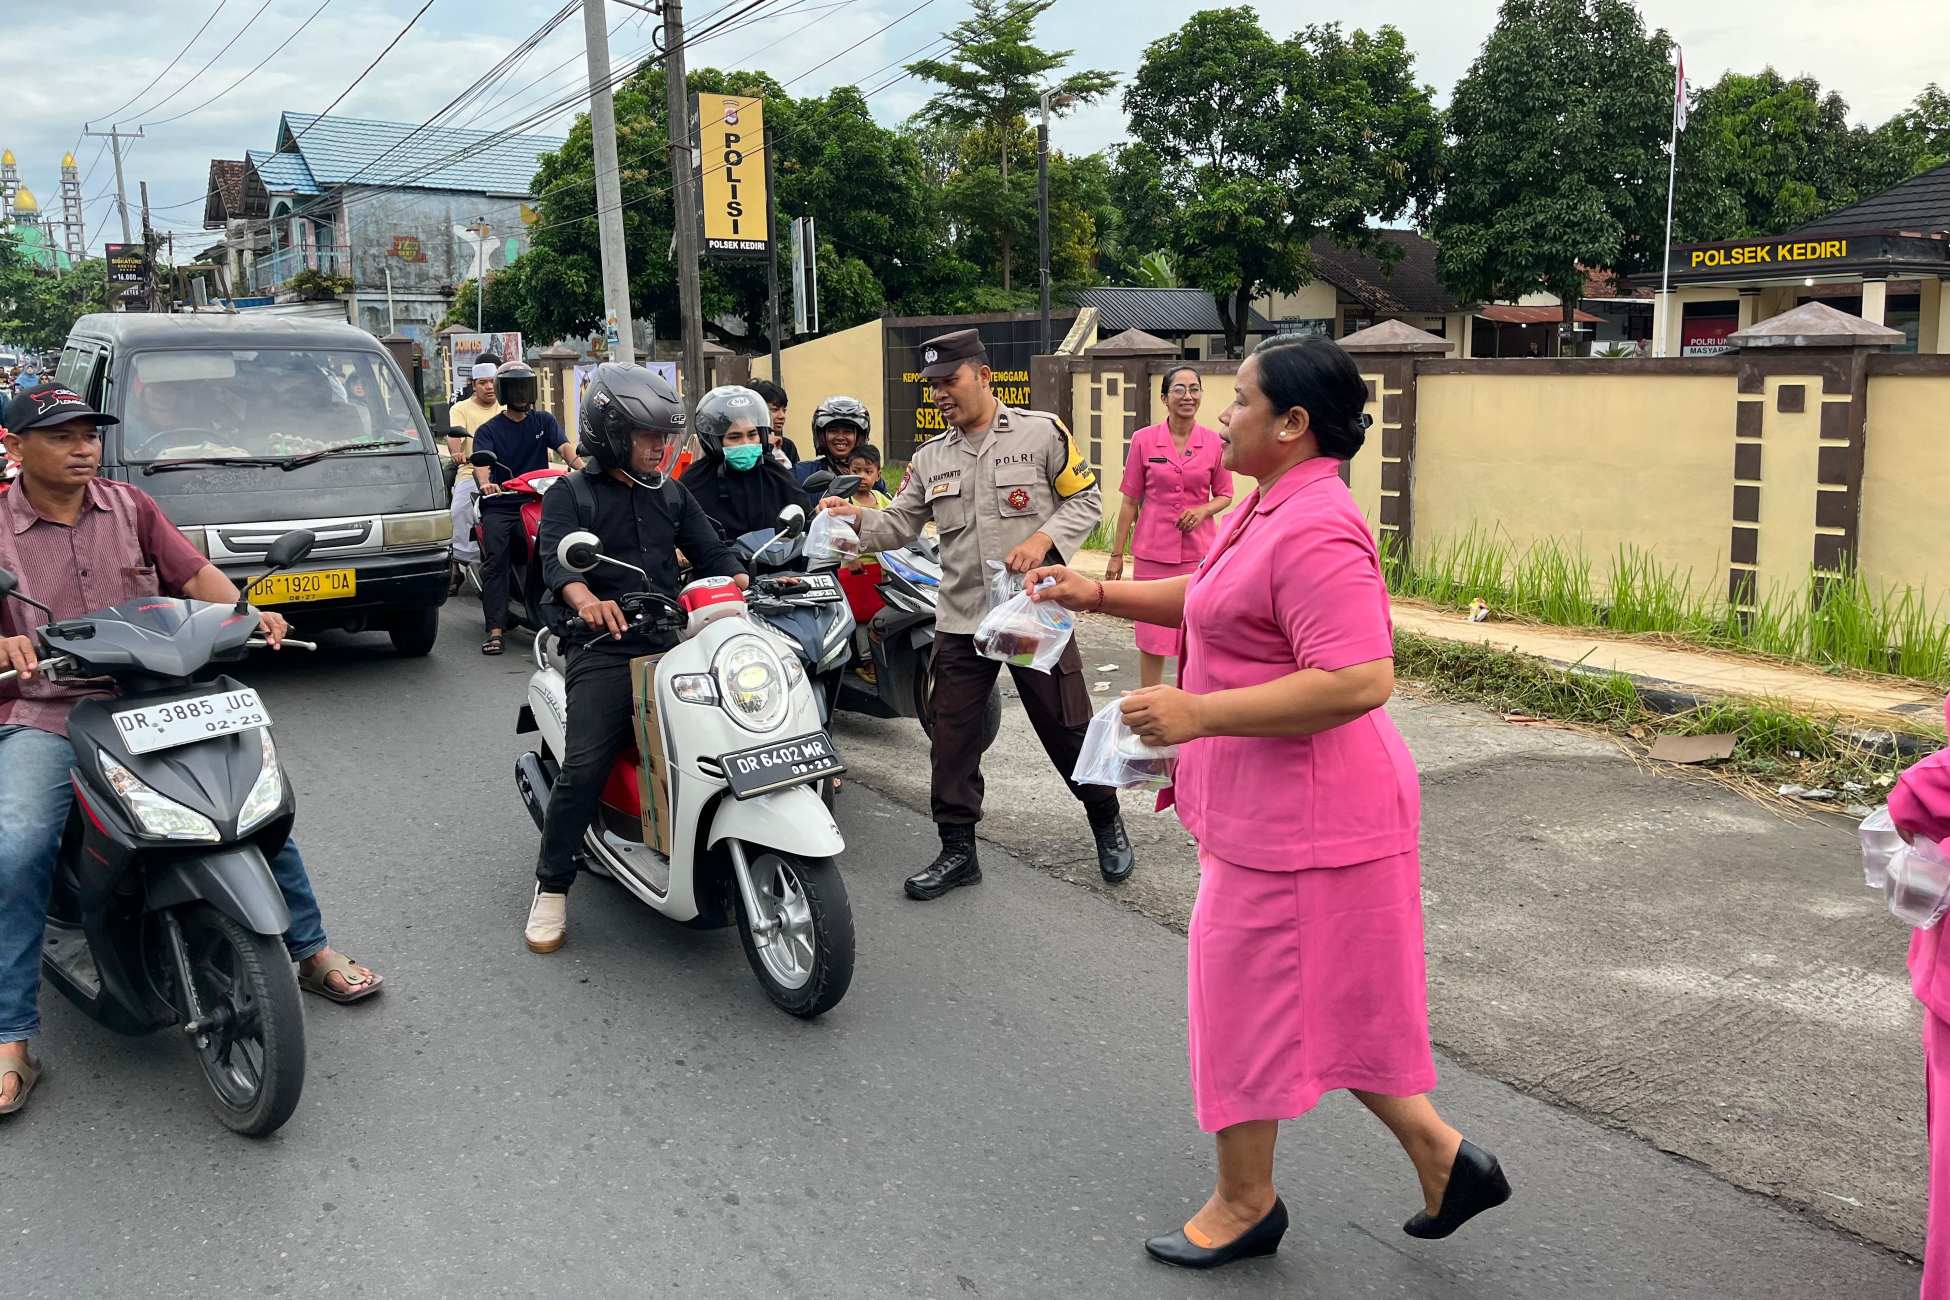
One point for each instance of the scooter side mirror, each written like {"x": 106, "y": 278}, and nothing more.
{"x": 846, "y": 485}
{"x": 792, "y": 521}
{"x": 290, "y": 548}
{"x": 818, "y": 482}
{"x": 482, "y": 459}
{"x": 580, "y": 551}
{"x": 8, "y": 583}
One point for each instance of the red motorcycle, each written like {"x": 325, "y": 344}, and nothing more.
{"x": 526, "y": 585}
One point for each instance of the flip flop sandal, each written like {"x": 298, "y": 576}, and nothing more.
{"x": 349, "y": 971}
{"x": 29, "y": 1072}
{"x": 492, "y": 646}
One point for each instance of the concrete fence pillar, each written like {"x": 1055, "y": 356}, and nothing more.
{"x": 1382, "y": 475}
{"x": 554, "y": 365}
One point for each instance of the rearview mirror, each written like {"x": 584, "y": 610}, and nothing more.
{"x": 792, "y": 521}
{"x": 290, "y": 548}
{"x": 482, "y": 459}
{"x": 7, "y": 583}
{"x": 845, "y": 486}
{"x": 818, "y": 482}
{"x": 579, "y": 552}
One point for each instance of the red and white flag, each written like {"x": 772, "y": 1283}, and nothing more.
{"x": 1679, "y": 91}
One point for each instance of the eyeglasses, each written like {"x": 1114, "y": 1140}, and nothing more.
{"x": 1185, "y": 390}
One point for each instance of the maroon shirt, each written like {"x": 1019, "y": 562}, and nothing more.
{"x": 120, "y": 547}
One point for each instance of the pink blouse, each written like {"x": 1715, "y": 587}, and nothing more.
{"x": 1294, "y": 583}
{"x": 1920, "y": 804}
{"x": 1168, "y": 484}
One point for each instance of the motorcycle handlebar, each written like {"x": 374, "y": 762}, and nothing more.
{"x": 47, "y": 666}
{"x": 259, "y": 643}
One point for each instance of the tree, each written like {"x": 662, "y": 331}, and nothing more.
{"x": 1248, "y": 148}
{"x": 1914, "y": 140}
{"x": 1558, "y": 158}
{"x": 1763, "y": 154}
{"x": 38, "y": 307}
{"x": 994, "y": 80}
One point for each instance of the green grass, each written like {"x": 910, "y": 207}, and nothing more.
{"x": 1099, "y": 539}
{"x": 1775, "y": 744}
{"x": 1833, "y": 622}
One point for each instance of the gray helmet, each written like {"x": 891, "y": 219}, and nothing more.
{"x": 842, "y": 410}
{"x": 725, "y": 406}
{"x": 620, "y": 401}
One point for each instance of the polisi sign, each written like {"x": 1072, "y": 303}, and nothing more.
{"x": 735, "y": 205}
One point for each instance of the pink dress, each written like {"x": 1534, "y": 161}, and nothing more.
{"x": 1305, "y": 969}
{"x": 1165, "y": 484}
{"x": 1920, "y": 804}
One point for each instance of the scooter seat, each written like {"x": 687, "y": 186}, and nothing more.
{"x": 552, "y": 651}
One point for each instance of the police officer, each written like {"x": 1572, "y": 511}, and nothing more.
{"x": 1007, "y": 485}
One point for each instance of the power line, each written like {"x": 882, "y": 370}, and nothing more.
{"x": 212, "y": 59}
{"x": 248, "y": 75}
{"x": 369, "y": 67}
{"x": 105, "y": 117}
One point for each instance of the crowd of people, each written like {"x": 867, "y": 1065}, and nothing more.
{"x": 1306, "y": 967}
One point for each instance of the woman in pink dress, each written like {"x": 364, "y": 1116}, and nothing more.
{"x": 1174, "y": 487}
{"x": 1920, "y": 805}
{"x": 1304, "y": 969}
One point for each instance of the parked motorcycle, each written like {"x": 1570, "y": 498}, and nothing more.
{"x": 526, "y": 586}
{"x": 749, "y": 841}
{"x": 164, "y": 909}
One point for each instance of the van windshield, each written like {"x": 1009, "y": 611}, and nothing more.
{"x": 261, "y": 402}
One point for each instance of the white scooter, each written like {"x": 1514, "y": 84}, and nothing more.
{"x": 744, "y": 754}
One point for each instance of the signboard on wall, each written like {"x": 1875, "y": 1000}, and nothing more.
{"x": 127, "y": 263}
{"x": 910, "y": 416}
{"x": 1706, "y": 336}
{"x": 736, "y": 209}
{"x": 467, "y": 349}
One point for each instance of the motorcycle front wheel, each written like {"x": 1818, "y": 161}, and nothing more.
{"x": 253, "y": 1054}
{"x": 801, "y": 944}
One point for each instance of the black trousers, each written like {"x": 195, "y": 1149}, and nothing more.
{"x": 1058, "y": 705}
{"x": 501, "y": 545}
{"x": 601, "y": 723}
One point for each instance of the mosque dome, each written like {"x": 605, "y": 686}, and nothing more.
{"x": 24, "y": 200}
{"x": 67, "y": 160}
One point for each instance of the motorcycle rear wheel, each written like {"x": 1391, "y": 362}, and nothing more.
{"x": 806, "y": 964}
{"x": 253, "y": 1061}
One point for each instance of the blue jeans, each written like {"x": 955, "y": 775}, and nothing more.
{"x": 34, "y": 800}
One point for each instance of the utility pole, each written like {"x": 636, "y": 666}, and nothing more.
{"x": 483, "y": 229}
{"x": 149, "y": 246}
{"x": 1050, "y": 99}
{"x": 609, "y": 186}
{"x": 677, "y": 101}
{"x": 115, "y": 135}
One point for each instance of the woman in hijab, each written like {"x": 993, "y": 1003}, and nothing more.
{"x": 736, "y": 483}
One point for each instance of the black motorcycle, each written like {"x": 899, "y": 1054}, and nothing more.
{"x": 164, "y": 910}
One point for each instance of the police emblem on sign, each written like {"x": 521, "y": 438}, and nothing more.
{"x": 1019, "y": 499}
{"x": 731, "y": 112}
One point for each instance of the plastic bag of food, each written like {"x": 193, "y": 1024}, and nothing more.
{"x": 1880, "y": 843}
{"x": 1004, "y": 586}
{"x": 1025, "y": 634}
{"x": 831, "y": 540}
{"x": 1918, "y": 887}
{"x": 1114, "y": 755}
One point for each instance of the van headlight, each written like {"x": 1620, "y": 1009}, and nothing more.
{"x": 428, "y": 528}
{"x": 156, "y": 814}
{"x": 752, "y": 681}
{"x": 267, "y": 792}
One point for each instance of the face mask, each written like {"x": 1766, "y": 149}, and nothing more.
{"x": 744, "y": 456}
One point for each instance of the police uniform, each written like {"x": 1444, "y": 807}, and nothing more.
{"x": 987, "y": 493}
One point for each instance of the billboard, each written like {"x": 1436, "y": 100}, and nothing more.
{"x": 127, "y": 263}
{"x": 736, "y": 209}
{"x": 1706, "y": 336}
{"x": 467, "y": 348}
{"x": 910, "y": 417}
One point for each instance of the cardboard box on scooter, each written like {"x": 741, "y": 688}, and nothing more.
{"x": 651, "y": 769}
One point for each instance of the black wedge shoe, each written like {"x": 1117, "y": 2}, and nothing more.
{"x": 1476, "y": 1183}
{"x": 1180, "y": 1251}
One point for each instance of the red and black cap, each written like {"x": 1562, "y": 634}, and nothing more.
{"x": 49, "y": 405}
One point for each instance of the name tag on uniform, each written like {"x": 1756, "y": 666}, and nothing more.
{"x": 1159, "y": 460}
{"x": 947, "y": 487}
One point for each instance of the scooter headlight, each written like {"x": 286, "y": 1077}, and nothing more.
{"x": 752, "y": 681}
{"x": 267, "y": 793}
{"x": 156, "y": 814}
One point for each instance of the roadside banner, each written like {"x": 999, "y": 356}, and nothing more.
{"x": 467, "y": 348}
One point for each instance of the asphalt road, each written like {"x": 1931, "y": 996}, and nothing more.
{"x": 998, "y": 1108}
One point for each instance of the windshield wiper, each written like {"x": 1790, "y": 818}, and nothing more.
{"x": 293, "y": 462}
{"x": 191, "y": 462}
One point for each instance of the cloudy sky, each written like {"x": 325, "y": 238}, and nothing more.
{"x": 1877, "y": 53}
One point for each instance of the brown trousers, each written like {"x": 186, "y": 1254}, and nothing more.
{"x": 1058, "y": 705}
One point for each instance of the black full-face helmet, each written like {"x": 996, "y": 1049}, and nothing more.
{"x": 622, "y": 401}
{"x": 516, "y": 385}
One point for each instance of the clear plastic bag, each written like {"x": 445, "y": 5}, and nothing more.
{"x": 1004, "y": 586}
{"x": 1918, "y": 887}
{"x": 1114, "y": 755}
{"x": 1023, "y": 633}
{"x": 1880, "y": 843}
{"x": 831, "y": 540}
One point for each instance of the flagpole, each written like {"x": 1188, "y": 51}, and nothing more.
{"x": 1672, "y": 180}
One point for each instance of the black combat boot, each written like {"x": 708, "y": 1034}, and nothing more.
{"x": 1115, "y": 857}
{"x": 956, "y": 865}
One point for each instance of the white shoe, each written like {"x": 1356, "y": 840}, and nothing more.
{"x": 548, "y": 922}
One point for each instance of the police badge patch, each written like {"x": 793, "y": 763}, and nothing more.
{"x": 930, "y": 357}
{"x": 1019, "y": 499}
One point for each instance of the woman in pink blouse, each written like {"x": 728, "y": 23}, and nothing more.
{"x": 1174, "y": 487}
{"x": 1304, "y": 970}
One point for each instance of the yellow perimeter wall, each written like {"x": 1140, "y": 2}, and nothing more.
{"x": 1906, "y": 485}
{"x": 1588, "y": 460}
{"x": 853, "y": 362}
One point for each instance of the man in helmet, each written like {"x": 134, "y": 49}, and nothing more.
{"x": 631, "y": 427}
{"x": 737, "y": 482}
{"x": 839, "y": 425}
{"x": 521, "y": 438}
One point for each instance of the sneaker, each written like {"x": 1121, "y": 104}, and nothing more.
{"x": 548, "y": 922}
